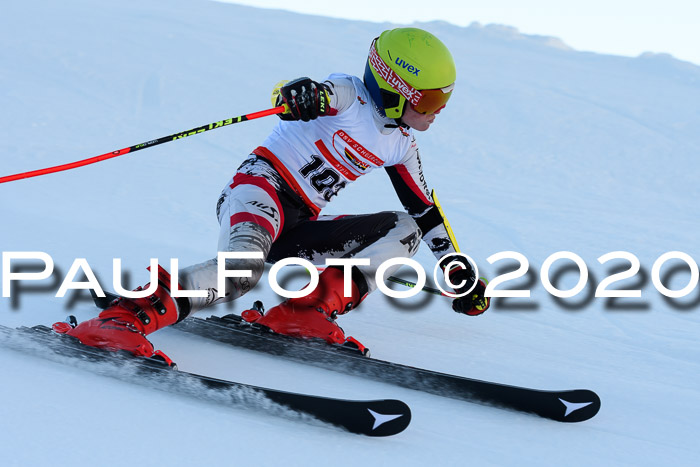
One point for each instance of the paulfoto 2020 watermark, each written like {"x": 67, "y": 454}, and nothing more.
{"x": 494, "y": 288}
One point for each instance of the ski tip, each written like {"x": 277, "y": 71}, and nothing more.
{"x": 385, "y": 418}
{"x": 577, "y": 406}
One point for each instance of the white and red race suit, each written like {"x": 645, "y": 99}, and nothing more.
{"x": 273, "y": 202}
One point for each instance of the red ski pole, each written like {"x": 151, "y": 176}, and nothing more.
{"x": 148, "y": 144}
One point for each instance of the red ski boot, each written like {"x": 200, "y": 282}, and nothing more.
{"x": 127, "y": 322}
{"x": 313, "y": 315}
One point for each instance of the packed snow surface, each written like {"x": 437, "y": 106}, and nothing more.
{"x": 541, "y": 149}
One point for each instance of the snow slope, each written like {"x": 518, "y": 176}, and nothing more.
{"x": 541, "y": 149}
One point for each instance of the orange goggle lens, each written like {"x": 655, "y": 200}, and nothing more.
{"x": 433, "y": 100}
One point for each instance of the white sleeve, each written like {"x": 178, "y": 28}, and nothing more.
{"x": 343, "y": 94}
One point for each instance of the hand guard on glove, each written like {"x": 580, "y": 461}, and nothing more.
{"x": 306, "y": 99}
{"x": 474, "y": 303}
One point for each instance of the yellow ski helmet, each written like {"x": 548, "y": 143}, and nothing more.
{"x": 409, "y": 65}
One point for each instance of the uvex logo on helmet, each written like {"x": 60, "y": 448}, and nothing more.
{"x": 404, "y": 64}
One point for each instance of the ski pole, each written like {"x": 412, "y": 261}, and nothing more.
{"x": 450, "y": 233}
{"x": 403, "y": 282}
{"x": 410, "y": 284}
{"x": 147, "y": 144}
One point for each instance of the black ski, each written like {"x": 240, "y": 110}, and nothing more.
{"x": 564, "y": 406}
{"x": 573, "y": 405}
{"x": 372, "y": 418}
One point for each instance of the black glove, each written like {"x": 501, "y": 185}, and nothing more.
{"x": 307, "y": 99}
{"x": 474, "y": 303}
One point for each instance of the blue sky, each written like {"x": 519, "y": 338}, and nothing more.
{"x": 620, "y": 27}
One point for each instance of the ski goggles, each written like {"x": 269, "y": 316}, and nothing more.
{"x": 425, "y": 101}
{"x": 433, "y": 100}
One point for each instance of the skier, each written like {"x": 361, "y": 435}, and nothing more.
{"x": 334, "y": 132}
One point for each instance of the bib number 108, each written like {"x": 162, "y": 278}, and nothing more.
{"x": 325, "y": 180}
